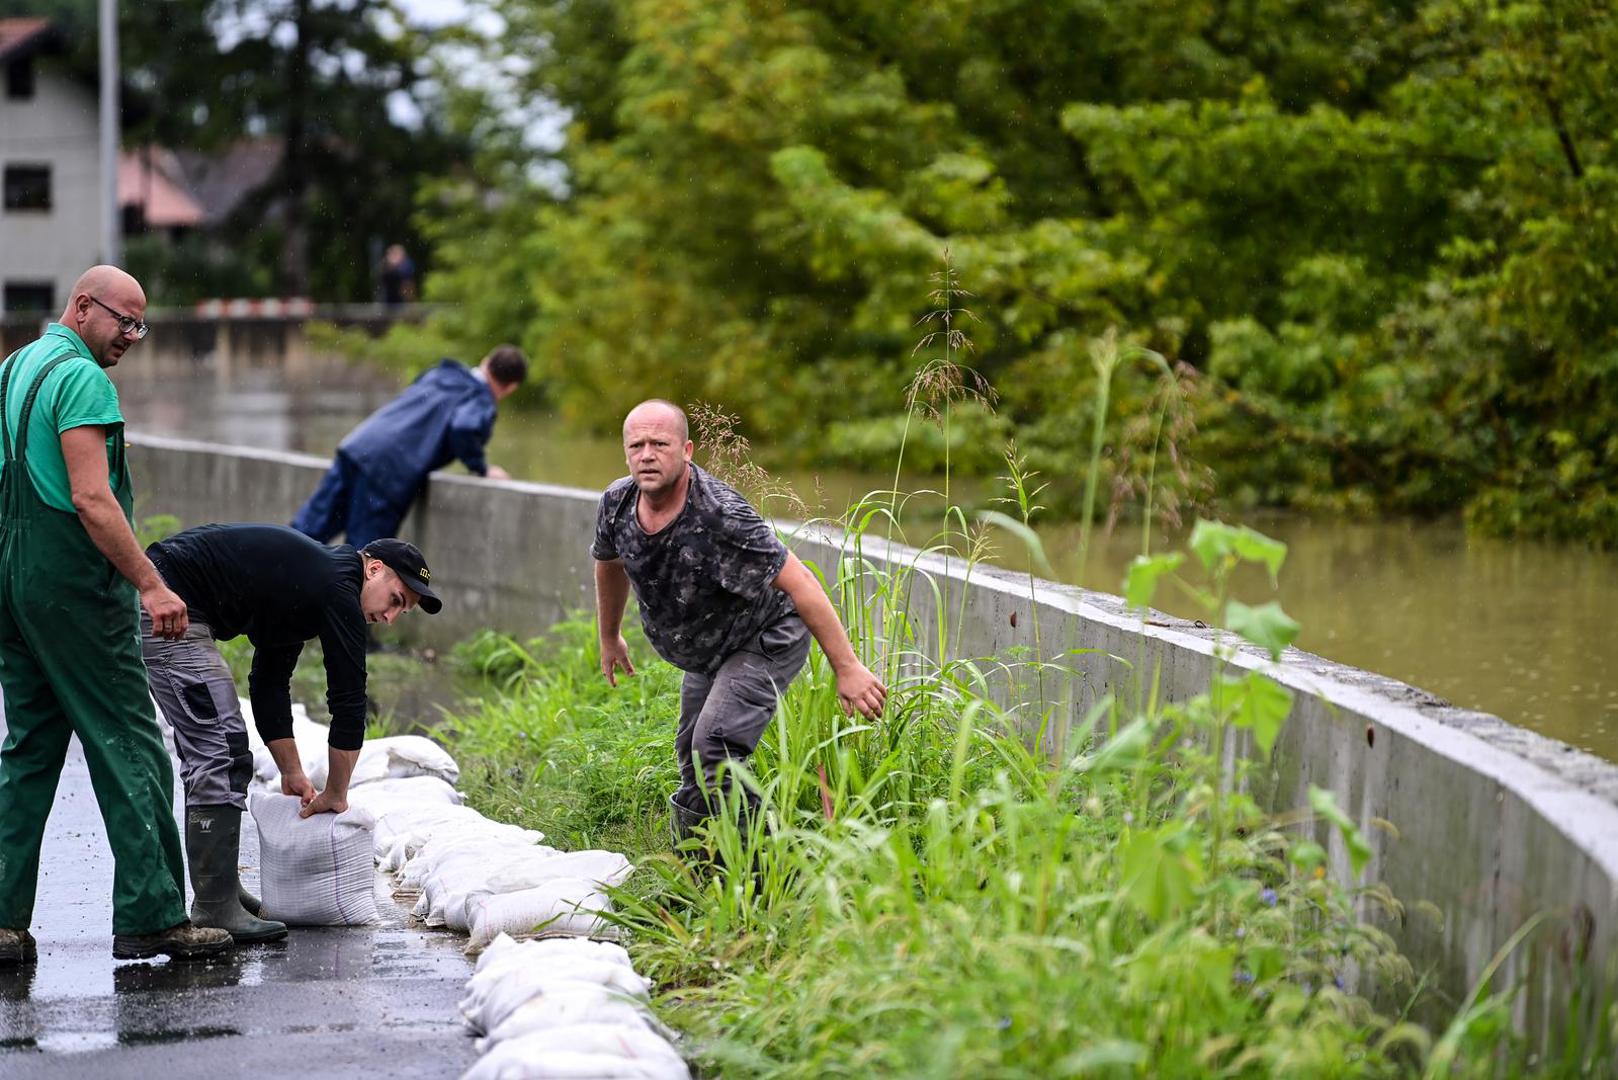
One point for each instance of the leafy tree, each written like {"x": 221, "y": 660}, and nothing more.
{"x": 1377, "y": 234}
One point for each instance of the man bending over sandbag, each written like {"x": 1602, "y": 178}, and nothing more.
{"x": 281, "y": 589}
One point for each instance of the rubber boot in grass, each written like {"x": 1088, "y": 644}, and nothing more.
{"x": 212, "y": 844}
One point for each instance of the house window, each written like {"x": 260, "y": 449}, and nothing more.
{"x": 28, "y": 187}
{"x": 29, "y": 296}
{"x": 20, "y": 79}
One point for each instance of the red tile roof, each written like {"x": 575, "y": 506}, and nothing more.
{"x": 145, "y": 179}
{"x": 15, "y": 34}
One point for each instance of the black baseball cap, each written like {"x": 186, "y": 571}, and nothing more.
{"x": 405, "y": 560}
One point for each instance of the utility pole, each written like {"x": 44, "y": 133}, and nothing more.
{"x": 112, "y": 247}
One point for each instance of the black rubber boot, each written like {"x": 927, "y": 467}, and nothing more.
{"x": 212, "y": 844}
{"x": 683, "y": 820}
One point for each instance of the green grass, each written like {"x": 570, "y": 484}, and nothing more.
{"x": 935, "y": 896}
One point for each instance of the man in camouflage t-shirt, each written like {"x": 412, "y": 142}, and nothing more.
{"x": 720, "y": 597}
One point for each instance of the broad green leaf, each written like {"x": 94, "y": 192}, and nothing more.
{"x": 1325, "y": 804}
{"x": 1212, "y": 541}
{"x": 1260, "y": 704}
{"x": 1254, "y": 546}
{"x": 1266, "y": 626}
{"x": 1140, "y": 583}
{"x": 1161, "y": 871}
{"x": 1306, "y": 855}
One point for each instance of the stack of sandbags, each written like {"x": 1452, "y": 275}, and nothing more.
{"x": 462, "y": 866}
{"x": 564, "y": 1007}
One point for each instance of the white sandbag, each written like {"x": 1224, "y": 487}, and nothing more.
{"x": 506, "y": 952}
{"x": 399, "y": 833}
{"x": 517, "y": 1061}
{"x": 314, "y": 871}
{"x": 561, "y": 906}
{"x": 396, "y": 757}
{"x": 489, "y": 1001}
{"x": 458, "y": 856}
{"x": 606, "y": 868}
{"x": 404, "y": 793}
{"x": 427, "y": 846}
{"x": 603, "y": 1051}
{"x": 565, "y": 1005}
{"x": 632, "y": 1042}
{"x": 458, "y": 877}
{"x": 458, "y": 880}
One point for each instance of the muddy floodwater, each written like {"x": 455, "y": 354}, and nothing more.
{"x": 1517, "y": 628}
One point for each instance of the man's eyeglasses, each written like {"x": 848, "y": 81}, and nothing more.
{"x": 126, "y": 323}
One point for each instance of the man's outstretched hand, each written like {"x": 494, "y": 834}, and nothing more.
{"x": 615, "y": 654}
{"x": 858, "y": 690}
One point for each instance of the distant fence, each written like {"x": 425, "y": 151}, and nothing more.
{"x": 223, "y": 337}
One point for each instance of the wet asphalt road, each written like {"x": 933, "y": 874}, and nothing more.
{"x": 377, "y": 1001}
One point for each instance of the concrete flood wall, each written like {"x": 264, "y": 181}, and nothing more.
{"x": 1476, "y": 826}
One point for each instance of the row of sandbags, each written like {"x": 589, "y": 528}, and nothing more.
{"x": 555, "y": 1004}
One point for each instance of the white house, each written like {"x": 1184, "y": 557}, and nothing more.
{"x": 50, "y": 219}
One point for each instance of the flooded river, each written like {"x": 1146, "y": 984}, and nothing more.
{"x": 1514, "y": 628}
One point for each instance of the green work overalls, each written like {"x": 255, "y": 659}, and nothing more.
{"x": 70, "y": 663}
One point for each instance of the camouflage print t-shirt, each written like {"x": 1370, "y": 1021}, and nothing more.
{"x": 703, "y": 581}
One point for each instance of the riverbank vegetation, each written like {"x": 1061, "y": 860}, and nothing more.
{"x": 953, "y": 891}
{"x": 1374, "y": 235}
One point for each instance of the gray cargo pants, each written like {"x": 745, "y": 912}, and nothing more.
{"x": 723, "y": 715}
{"x": 193, "y": 687}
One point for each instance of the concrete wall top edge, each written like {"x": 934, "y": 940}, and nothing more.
{"x": 1482, "y": 741}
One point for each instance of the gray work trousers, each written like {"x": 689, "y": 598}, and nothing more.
{"x": 195, "y": 691}
{"x": 723, "y": 715}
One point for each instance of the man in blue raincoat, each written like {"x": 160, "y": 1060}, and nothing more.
{"x": 446, "y": 414}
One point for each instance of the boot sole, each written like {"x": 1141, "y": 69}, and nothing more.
{"x": 19, "y": 957}
{"x": 257, "y": 939}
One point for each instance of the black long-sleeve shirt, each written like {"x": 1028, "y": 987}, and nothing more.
{"x": 281, "y": 589}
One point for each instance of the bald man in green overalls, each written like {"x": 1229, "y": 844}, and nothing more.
{"x": 70, "y": 660}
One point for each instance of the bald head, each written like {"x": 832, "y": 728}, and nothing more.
{"x": 657, "y": 448}
{"x": 660, "y": 412}
{"x": 100, "y": 296}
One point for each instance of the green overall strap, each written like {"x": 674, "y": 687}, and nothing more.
{"x": 21, "y": 455}
{"x": 7, "y": 369}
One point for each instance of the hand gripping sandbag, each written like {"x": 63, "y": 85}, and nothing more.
{"x": 314, "y": 871}
{"x": 396, "y": 757}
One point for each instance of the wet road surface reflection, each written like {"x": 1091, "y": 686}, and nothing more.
{"x": 324, "y": 1002}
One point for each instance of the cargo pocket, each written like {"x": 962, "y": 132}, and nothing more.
{"x": 194, "y": 694}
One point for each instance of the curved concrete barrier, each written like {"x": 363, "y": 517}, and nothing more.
{"x": 1476, "y": 825}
